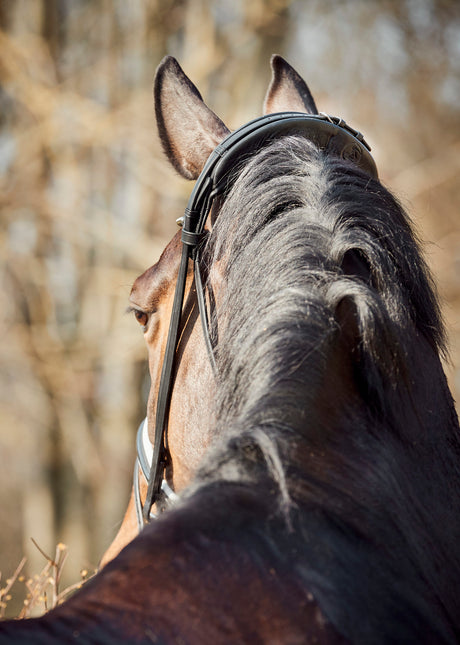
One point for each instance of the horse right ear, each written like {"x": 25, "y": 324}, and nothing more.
{"x": 188, "y": 129}
{"x": 287, "y": 92}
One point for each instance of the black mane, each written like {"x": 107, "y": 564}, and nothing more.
{"x": 294, "y": 221}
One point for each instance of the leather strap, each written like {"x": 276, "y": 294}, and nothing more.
{"x": 159, "y": 458}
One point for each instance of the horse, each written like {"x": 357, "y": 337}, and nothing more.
{"x": 302, "y": 445}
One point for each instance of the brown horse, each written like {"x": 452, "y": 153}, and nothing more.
{"x": 318, "y": 463}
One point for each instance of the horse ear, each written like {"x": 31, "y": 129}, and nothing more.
{"x": 356, "y": 264}
{"x": 287, "y": 91}
{"x": 346, "y": 315}
{"x": 188, "y": 129}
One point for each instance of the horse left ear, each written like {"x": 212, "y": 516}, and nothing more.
{"x": 287, "y": 92}
{"x": 188, "y": 129}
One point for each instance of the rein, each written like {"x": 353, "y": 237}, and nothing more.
{"x": 330, "y": 134}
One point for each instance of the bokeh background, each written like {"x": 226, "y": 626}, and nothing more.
{"x": 87, "y": 203}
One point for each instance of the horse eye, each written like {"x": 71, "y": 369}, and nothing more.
{"x": 141, "y": 317}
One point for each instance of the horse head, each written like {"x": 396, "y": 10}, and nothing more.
{"x": 189, "y": 132}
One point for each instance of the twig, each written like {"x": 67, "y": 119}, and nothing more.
{"x": 47, "y": 557}
{"x": 10, "y": 582}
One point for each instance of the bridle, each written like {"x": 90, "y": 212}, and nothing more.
{"x": 330, "y": 134}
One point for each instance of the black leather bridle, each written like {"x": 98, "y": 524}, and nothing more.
{"x": 330, "y": 134}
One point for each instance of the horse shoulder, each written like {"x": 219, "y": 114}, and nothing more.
{"x": 190, "y": 578}
{"x": 211, "y": 584}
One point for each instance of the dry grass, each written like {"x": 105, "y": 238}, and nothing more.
{"x": 42, "y": 591}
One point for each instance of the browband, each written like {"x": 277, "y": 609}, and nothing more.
{"x": 330, "y": 134}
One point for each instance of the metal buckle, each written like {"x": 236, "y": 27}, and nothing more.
{"x": 336, "y": 120}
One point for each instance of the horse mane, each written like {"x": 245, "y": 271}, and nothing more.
{"x": 292, "y": 220}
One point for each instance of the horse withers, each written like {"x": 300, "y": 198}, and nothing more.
{"x": 298, "y": 404}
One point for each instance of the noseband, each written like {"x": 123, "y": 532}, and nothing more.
{"x": 330, "y": 134}
{"x": 142, "y": 465}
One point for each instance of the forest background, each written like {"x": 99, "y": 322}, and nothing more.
{"x": 87, "y": 202}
